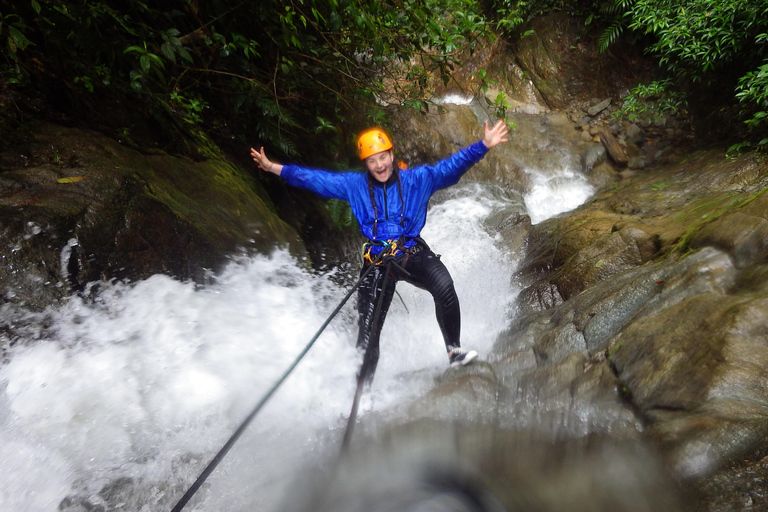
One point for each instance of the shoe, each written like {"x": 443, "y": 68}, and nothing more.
{"x": 459, "y": 356}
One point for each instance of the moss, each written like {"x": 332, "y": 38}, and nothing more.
{"x": 216, "y": 198}
{"x": 713, "y": 209}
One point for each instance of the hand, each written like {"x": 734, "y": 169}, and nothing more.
{"x": 264, "y": 163}
{"x": 496, "y": 135}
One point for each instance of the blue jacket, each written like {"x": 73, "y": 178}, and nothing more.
{"x": 397, "y": 216}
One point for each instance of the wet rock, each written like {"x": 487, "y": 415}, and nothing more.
{"x": 673, "y": 330}
{"x": 606, "y": 256}
{"x": 467, "y": 393}
{"x": 700, "y": 378}
{"x": 598, "y": 107}
{"x": 634, "y": 134}
{"x": 603, "y": 176}
{"x": 121, "y": 214}
{"x": 511, "y": 368}
{"x": 558, "y": 344}
{"x": 594, "y": 155}
{"x": 613, "y": 148}
{"x": 595, "y": 393}
{"x": 584, "y": 121}
{"x": 539, "y": 296}
{"x": 743, "y": 233}
{"x": 636, "y": 161}
{"x": 461, "y": 468}
{"x": 603, "y": 310}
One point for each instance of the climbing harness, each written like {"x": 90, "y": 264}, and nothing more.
{"x": 390, "y": 249}
{"x": 388, "y": 258}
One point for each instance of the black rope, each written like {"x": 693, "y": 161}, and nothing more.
{"x": 222, "y": 453}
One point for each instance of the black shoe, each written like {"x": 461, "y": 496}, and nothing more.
{"x": 459, "y": 356}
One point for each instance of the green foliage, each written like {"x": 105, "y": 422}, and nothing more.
{"x": 702, "y": 41}
{"x": 511, "y": 15}
{"x": 482, "y": 76}
{"x": 613, "y": 15}
{"x": 611, "y": 34}
{"x": 500, "y": 106}
{"x": 277, "y": 72}
{"x": 696, "y": 36}
{"x": 340, "y": 213}
{"x": 12, "y": 30}
{"x": 190, "y": 109}
{"x": 651, "y": 102}
{"x": 753, "y": 89}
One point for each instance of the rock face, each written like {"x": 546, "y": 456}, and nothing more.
{"x": 450, "y": 466}
{"x": 83, "y": 208}
{"x": 642, "y": 315}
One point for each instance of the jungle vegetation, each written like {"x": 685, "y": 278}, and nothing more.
{"x": 304, "y": 75}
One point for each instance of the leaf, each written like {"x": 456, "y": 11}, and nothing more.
{"x": 145, "y": 63}
{"x": 168, "y": 52}
{"x": 71, "y": 179}
{"x": 185, "y": 54}
{"x": 19, "y": 39}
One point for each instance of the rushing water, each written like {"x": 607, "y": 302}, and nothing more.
{"x": 121, "y": 398}
{"x": 556, "y": 192}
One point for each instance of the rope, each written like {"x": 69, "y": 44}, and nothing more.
{"x": 228, "y": 445}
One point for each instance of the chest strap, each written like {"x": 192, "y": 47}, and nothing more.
{"x": 373, "y": 201}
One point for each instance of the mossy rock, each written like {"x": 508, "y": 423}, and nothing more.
{"x": 87, "y": 208}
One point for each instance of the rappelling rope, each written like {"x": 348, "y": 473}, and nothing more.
{"x": 222, "y": 453}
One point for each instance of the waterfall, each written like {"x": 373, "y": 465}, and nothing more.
{"x": 127, "y": 393}
{"x": 119, "y": 398}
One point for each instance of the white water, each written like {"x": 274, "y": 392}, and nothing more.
{"x": 556, "y": 184}
{"x": 560, "y": 190}
{"x": 128, "y": 396}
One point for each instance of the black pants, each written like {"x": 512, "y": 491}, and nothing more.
{"x": 425, "y": 271}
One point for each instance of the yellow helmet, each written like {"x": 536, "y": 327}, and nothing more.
{"x": 371, "y": 142}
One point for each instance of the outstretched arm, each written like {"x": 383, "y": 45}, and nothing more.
{"x": 264, "y": 163}
{"x": 496, "y": 135}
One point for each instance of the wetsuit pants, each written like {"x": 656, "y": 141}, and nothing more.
{"x": 425, "y": 271}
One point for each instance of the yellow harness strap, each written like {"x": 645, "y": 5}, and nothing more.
{"x": 390, "y": 249}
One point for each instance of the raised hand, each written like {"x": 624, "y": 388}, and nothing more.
{"x": 496, "y": 135}
{"x": 264, "y": 163}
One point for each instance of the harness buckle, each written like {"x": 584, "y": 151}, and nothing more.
{"x": 390, "y": 249}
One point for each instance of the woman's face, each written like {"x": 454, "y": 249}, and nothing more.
{"x": 380, "y": 165}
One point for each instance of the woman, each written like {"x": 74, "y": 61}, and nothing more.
{"x": 390, "y": 206}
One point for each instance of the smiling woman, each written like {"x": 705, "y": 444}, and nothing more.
{"x": 391, "y": 209}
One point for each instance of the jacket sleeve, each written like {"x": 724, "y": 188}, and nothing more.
{"x": 323, "y": 183}
{"x": 448, "y": 172}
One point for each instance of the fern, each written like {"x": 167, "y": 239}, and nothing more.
{"x": 611, "y": 34}
{"x": 610, "y": 8}
{"x": 339, "y": 212}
